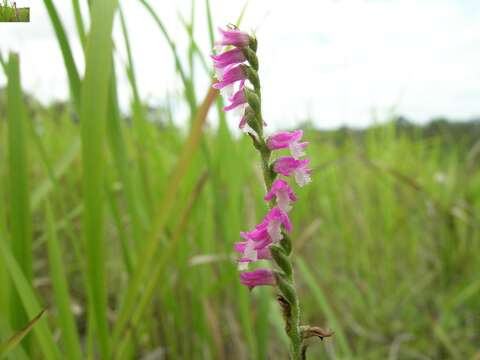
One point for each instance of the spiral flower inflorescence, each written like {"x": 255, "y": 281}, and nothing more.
{"x": 237, "y": 74}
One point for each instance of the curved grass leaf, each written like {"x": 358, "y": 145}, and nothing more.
{"x": 72, "y": 72}
{"x": 27, "y": 296}
{"x": 13, "y": 341}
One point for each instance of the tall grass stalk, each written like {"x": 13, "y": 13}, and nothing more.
{"x": 93, "y": 116}
{"x": 19, "y": 193}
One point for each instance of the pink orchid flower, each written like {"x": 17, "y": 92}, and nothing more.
{"x": 257, "y": 278}
{"x": 290, "y": 140}
{"x": 298, "y": 168}
{"x": 283, "y": 193}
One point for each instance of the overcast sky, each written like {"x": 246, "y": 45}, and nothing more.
{"x": 336, "y": 61}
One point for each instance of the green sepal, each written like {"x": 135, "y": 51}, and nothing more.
{"x": 286, "y": 244}
{"x": 253, "y": 44}
{"x": 252, "y": 119}
{"x": 252, "y": 76}
{"x": 255, "y": 142}
{"x": 273, "y": 176}
{"x": 286, "y": 288}
{"x": 253, "y": 100}
{"x": 251, "y": 58}
{"x": 281, "y": 259}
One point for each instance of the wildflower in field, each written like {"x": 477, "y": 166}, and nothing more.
{"x": 283, "y": 193}
{"x": 258, "y": 277}
{"x": 238, "y": 81}
{"x": 298, "y": 168}
{"x": 290, "y": 140}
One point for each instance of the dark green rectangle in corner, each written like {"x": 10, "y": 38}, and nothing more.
{"x": 10, "y": 13}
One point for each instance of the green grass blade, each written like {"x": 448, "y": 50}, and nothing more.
{"x": 72, "y": 72}
{"x": 93, "y": 122}
{"x": 4, "y": 280}
{"x": 194, "y": 50}
{"x": 242, "y": 13}
{"x": 59, "y": 169}
{"x": 150, "y": 249}
{"x": 12, "y": 342}
{"x": 17, "y": 353}
{"x": 324, "y": 306}
{"x": 159, "y": 267}
{"x": 19, "y": 204}
{"x": 77, "y": 11}
{"x": 211, "y": 35}
{"x": 141, "y": 206}
{"x": 127, "y": 253}
{"x": 60, "y": 291}
{"x": 116, "y": 138}
{"x": 31, "y": 304}
{"x": 3, "y": 63}
{"x": 191, "y": 50}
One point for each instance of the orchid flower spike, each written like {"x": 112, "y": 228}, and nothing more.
{"x": 290, "y": 140}
{"x": 283, "y": 193}
{"x": 269, "y": 240}
{"x": 298, "y": 168}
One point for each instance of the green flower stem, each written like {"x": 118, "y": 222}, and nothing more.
{"x": 292, "y": 317}
{"x": 294, "y": 332}
{"x": 288, "y": 300}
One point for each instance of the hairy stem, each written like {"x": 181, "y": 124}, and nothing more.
{"x": 292, "y": 314}
{"x": 288, "y": 299}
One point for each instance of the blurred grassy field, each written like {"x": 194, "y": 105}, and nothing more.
{"x": 7, "y": 14}
{"x": 123, "y": 228}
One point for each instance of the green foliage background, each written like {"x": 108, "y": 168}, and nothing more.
{"x": 123, "y": 228}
